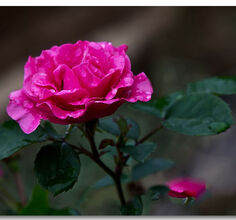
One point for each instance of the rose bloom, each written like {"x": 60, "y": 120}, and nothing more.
{"x": 186, "y": 187}
{"x": 75, "y": 83}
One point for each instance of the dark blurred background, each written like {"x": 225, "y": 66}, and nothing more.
{"x": 173, "y": 46}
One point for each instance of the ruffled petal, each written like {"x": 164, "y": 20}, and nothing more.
{"x": 57, "y": 111}
{"x": 38, "y": 73}
{"x": 125, "y": 81}
{"x": 71, "y": 54}
{"x": 65, "y": 78}
{"x": 141, "y": 90}
{"x": 29, "y": 68}
{"x": 70, "y": 97}
{"x": 102, "y": 109}
{"x": 86, "y": 78}
{"x": 23, "y": 110}
{"x": 45, "y": 62}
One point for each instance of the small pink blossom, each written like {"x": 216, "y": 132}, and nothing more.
{"x": 75, "y": 83}
{"x": 186, "y": 187}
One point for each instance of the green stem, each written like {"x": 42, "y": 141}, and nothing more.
{"x": 95, "y": 157}
{"x": 188, "y": 200}
{"x": 67, "y": 132}
{"x": 149, "y": 135}
{"x": 114, "y": 176}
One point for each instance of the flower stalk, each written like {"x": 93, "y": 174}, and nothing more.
{"x": 95, "y": 157}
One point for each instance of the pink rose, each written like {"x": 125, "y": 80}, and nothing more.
{"x": 186, "y": 187}
{"x": 75, "y": 83}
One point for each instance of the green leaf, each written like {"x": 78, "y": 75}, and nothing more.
{"x": 216, "y": 85}
{"x": 199, "y": 114}
{"x": 158, "y": 191}
{"x": 139, "y": 152}
{"x": 50, "y": 130}
{"x": 122, "y": 124}
{"x": 134, "y": 130}
{"x": 109, "y": 125}
{"x": 149, "y": 167}
{"x": 12, "y": 138}
{"x": 57, "y": 167}
{"x": 135, "y": 207}
{"x": 39, "y": 205}
{"x": 110, "y": 150}
{"x": 108, "y": 181}
{"x": 105, "y": 143}
{"x": 103, "y": 182}
{"x": 158, "y": 107}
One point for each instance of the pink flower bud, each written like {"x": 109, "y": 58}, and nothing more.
{"x": 186, "y": 187}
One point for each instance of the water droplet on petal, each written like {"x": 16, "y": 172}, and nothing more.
{"x": 27, "y": 104}
{"x": 114, "y": 91}
{"x": 128, "y": 80}
{"x": 84, "y": 74}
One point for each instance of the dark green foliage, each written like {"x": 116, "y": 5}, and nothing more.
{"x": 57, "y": 167}
{"x": 135, "y": 207}
{"x": 199, "y": 114}
{"x": 158, "y": 107}
{"x": 215, "y": 85}
{"x": 118, "y": 126}
{"x": 139, "y": 152}
{"x": 149, "y": 167}
{"x": 39, "y": 205}
{"x": 158, "y": 191}
{"x": 12, "y": 138}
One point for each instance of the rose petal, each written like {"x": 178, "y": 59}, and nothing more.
{"x": 23, "y": 111}
{"x": 56, "y": 111}
{"x": 86, "y": 78}
{"x": 102, "y": 109}
{"x": 45, "y": 62}
{"x": 71, "y": 54}
{"x": 186, "y": 187}
{"x": 29, "y": 68}
{"x": 65, "y": 78}
{"x": 66, "y": 97}
{"x": 140, "y": 90}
